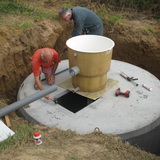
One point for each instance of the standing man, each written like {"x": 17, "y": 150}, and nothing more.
{"x": 45, "y": 60}
{"x": 85, "y": 21}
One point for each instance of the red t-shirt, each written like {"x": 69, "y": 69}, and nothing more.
{"x": 37, "y": 62}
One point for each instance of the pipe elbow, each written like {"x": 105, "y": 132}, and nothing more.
{"x": 74, "y": 71}
{"x": 75, "y": 90}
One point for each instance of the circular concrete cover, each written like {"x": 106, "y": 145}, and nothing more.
{"x": 123, "y": 116}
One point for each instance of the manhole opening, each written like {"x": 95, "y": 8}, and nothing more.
{"x": 74, "y": 102}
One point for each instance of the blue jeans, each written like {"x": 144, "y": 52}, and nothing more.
{"x": 95, "y": 30}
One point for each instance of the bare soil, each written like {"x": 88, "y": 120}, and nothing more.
{"x": 67, "y": 145}
{"x": 137, "y": 39}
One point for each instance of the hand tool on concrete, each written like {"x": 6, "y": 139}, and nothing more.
{"x": 75, "y": 90}
{"x": 55, "y": 100}
{"x": 146, "y": 87}
{"x": 131, "y": 79}
{"x": 118, "y": 92}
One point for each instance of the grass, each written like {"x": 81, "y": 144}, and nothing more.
{"x": 24, "y": 25}
{"x": 114, "y": 19}
{"x": 23, "y": 135}
{"x": 149, "y": 29}
{"x": 108, "y": 18}
{"x": 67, "y": 4}
{"x": 25, "y": 11}
{"x": 73, "y": 157}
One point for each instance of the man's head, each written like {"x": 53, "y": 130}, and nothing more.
{"x": 65, "y": 13}
{"x": 46, "y": 55}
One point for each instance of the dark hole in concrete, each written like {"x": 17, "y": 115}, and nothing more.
{"x": 74, "y": 102}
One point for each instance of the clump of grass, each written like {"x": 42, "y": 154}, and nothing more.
{"x": 24, "y": 25}
{"x": 114, "y": 19}
{"x": 73, "y": 157}
{"x": 22, "y": 136}
{"x": 149, "y": 29}
{"x": 67, "y": 5}
{"x": 108, "y": 18}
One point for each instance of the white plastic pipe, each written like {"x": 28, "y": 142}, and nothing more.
{"x": 75, "y": 90}
{"x": 14, "y": 106}
{"x": 74, "y": 71}
{"x": 95, "y": 43}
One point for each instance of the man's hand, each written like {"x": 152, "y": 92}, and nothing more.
{"x": 38, "y": 82}
{"x": 65, "y": 49}
{"x": 48, "y": 97}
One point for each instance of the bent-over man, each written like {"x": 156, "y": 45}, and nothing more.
{"x": 45, "y": 60}
{"x": 85, "y": 20}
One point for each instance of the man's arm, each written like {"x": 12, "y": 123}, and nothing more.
{"x": 54, "y": 67}
{"x": 40, "y": 86}
{"x": 78, "y": 27}
{"x": 51, "y": 77}
{"x": 38, "y": 82}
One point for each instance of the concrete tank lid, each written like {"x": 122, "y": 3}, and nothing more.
{"x": 127, "y": 117}
{"x": 90, "y": 43}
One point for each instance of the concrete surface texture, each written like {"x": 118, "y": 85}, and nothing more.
{"x": 111, "y": 114}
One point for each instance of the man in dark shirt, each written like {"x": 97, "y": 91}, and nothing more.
{"x": 85, "y": 21}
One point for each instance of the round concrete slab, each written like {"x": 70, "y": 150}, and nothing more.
{"x": 127, "y": 117}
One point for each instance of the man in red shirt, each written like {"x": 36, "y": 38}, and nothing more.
{"x": 45, "y": 60}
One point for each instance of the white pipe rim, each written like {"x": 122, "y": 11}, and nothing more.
{"x": 90, "y": 43}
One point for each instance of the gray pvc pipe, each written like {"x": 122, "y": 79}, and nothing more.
{"x": 14, "y": 106}
{"x": 74, "y": 71}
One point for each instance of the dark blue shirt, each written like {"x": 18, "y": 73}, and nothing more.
{"x": 86, "y": 20}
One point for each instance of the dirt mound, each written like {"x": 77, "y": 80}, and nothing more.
{"x": 67, "y": 145}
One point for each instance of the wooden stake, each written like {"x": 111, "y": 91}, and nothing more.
{"x": 7, "y": 120}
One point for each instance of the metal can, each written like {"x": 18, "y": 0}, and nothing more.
{"x": 37, "y": 138}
